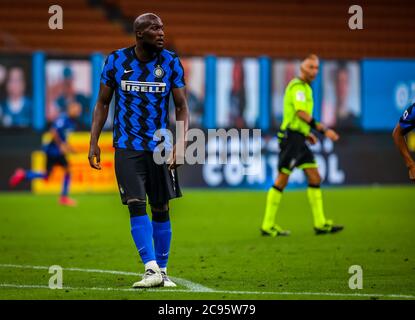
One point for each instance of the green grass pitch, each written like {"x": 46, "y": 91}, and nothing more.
{"x": 216, "y": 250}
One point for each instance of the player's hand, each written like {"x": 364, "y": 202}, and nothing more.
{"x": 411, "y": 169}
{"x": 71, "y": 149}
{"x": 332, "y": 135}
{"x": 94, "y": 154}
{"x": 172, "y": 160}
{"x": 64, "y": 148}
{"x": 312, "y": 138}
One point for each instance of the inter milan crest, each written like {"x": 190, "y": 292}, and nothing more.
{"x": 158, "y": 72}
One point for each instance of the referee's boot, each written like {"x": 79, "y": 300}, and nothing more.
{"x": 328, "y": 228}
{"x": 275, "y": 231}
{"x": 151, "y": 278}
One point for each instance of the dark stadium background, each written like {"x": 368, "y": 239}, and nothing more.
{"x": 368, "y": 72}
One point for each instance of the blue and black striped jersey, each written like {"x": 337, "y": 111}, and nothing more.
{"x": 142, "y": 91}
{"x": 63, "y": 126}
{"x": 407, "y": 121}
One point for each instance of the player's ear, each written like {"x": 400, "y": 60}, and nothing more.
{"x": 302, "y": 67}
{"x": 139, "y": 35}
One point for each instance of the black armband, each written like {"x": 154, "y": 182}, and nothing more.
{"x": 313, "y": 125}
{"x": 322, "y": 130}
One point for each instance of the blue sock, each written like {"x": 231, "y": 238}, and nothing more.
{"x": 162, "y": 238}
{"x": 30, "y": 175}
{"x": 142, "y": 232}
{"x": 66, "y": 182}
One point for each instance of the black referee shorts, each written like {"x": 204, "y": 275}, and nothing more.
{"x": 294, "y": 152}
{"x": 138, "y": 175}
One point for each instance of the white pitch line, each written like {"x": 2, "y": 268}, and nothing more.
{"x": 333, "y": 294}
{"x": 192, "y": 286}
{"x": 193, "y": 289}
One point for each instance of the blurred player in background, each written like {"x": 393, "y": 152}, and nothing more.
{"x": 56, "y": 152}
{"x": 142, "y": 78}
{"x": 405, "y": 125}
{"x": 294, "y": 152}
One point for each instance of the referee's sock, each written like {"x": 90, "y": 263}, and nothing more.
{"x": 273, "y": 201}
{"x": 142, "y": 231}
{"x": 30, "y": 175}
{"x": 162, "y": 237}
{"x": 315, "y": 197}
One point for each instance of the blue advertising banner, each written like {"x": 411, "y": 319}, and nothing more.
{"x": 388, "y": 87}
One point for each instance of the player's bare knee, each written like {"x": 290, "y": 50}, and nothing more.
{"x": 281, "y": 182}
{"x": 137, "y": 207}
{"x": 314, "y": 181}
{"x": 279, "y": 186}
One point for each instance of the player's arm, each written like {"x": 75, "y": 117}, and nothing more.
{"x": 63, "y": 147}
{"x": 182, "y": 121}
{"x": 56, "y": 139}
{"x": 399, "y": 139}
{"x": 99, "y": 117}
{"x": 329, "y": 133}
{"x": 300, "y": 105}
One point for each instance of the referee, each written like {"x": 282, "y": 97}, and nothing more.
{"x": 142, "y": 77}
{"x": 294, "y": 152}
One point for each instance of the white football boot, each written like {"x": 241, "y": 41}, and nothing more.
{"x": 150, "y": 279}
{"x": 166, "y": 280}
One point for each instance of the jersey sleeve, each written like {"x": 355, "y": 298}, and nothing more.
{"x": 407, "y": 120}
{"x": 177, "y": 74}
{"x": 299, "y": 97}
{"x": 108, "y": 72}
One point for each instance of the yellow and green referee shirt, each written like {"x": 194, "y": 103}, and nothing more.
{"x": 298, "y": 96}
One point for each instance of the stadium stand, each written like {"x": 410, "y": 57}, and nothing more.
{"x": 244, "y": 28}
{"x": 28, "y": 29}
{"x": 284, "y": 28}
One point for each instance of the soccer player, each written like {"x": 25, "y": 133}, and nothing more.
{"x": 142, "y": 77}
{"x": 406, "y": 123}
{"x": 55, "y": 152}
{"x": 294, "y": 152}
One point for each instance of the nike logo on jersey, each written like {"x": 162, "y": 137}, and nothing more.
{"x": 128, "y": 71}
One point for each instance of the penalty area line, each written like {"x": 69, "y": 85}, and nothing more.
{"x": 191, "y": 286}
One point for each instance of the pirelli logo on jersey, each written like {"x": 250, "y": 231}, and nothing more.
{"x": 139, "y": 86}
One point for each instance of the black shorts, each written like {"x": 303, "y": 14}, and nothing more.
{"x": 138, "y": 175}
{"x": 52, "y": 161}
{"x": 294, "y": 152}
